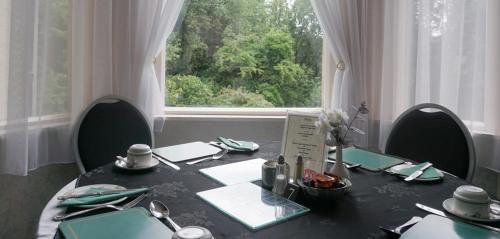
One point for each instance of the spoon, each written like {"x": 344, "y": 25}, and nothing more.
{"x": 213, "y": 157}
{"x": 160, "y": 210}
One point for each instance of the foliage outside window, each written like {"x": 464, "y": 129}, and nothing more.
{"x": 245, "y": 53}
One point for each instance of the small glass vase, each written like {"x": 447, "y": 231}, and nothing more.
{"x": 339, "y": 169}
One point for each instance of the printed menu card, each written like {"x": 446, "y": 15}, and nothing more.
{"x": 300, "y": 138}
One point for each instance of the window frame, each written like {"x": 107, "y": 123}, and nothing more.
{"x": 327, "y": 76}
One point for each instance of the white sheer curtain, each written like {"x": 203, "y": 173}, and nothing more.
{"x": 444, "y": 52}
{"x": 344, "y": 25}
{"x": 339, "y": 21}
{"x": 401, "y": 53}
{"x": 56, "y": 56}
{"x": 114, "y": 45}
{"x": 34, "y": 84}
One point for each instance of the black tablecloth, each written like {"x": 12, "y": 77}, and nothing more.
{"x": 375, "y": 199}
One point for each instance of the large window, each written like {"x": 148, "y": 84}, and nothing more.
{"x": 245, "y": 53}
{"x": 33, "y": 59}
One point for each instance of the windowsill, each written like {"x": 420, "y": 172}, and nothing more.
{"x": 219, "y": 112}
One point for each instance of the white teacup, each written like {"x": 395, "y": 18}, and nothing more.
{"x": 471, "y": 201}
{"x": 139, "y": 155}
{"x": 192, "y": 232}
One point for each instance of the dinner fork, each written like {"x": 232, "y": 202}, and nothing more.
{"x": 119, "y": 208}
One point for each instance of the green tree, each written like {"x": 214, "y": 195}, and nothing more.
{"x": 185, "y": 90}
{"x": 240, "y": 97}
{"x": 241, "y": 48}
{"x": 306, "y": 32}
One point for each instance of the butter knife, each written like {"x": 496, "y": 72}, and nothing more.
{"x": 108, "y": 192}
{"x": 417, "y": 173}
{"x": 166, "y": 162}
{"x": 442, "y": 214}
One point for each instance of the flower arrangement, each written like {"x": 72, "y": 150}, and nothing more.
{"x": 337, "y": 126}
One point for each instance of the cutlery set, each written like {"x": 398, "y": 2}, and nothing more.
{"x": 395, "y": 233}
{"x": 419, "y": 172}
{"x": 119, "y": 208}
{"x": 213, "y": 157}
{"x": 157, "y": 208}
{"x": 107, "y": 192}
{"x": 442, "y": 214}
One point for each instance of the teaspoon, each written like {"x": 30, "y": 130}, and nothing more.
{"x": 160, "y": 210}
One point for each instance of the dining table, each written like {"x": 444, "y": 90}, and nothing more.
{"x": 374, "y": 199}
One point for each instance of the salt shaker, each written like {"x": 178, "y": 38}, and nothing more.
{"x": 281, "y": 180}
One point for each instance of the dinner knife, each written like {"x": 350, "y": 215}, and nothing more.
{"x": 417, "y": 173}
{"x": 166, "y": 162}
{"x": 108, "y": 192}
{"x": 442, "y": 214}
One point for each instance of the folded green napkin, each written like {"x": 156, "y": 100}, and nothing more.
{"x": 430, "y": 172}
{"x": 237, "y": 144}
{"x": 99, "y": 199}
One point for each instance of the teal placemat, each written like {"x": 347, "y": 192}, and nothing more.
{"x": 134, "y": 223}
{"x": 368, "y": 160}
{"x": 252, "y": 205}
{"x": 436, "y": 227}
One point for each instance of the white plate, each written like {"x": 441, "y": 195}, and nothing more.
{"x": 83, "y": 189}
{"x": 448, "y": 206}
{"x": 221, "y": 145}
{"x": 153, "y": 163}
{"x": 394, "y": 169}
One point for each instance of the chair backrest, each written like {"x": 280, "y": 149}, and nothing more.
{"x": 437, "y": 136}
{"x": 106, "y": 129}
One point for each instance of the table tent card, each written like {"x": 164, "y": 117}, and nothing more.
{"x": 300, "y": 138}
{"x": 252, "y": 205}
{"x": 233, "y": 173}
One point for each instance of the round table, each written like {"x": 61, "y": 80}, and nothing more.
{"x": 375, "y": 199}
{"x": 47, "y": 228}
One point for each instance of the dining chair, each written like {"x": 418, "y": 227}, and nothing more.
{"x": 107, "y": 128}
{"x": 432, "y": 133}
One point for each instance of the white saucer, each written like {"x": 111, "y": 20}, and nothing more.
{"x": 83, "y": 189}
{"x": 153, "y": 163}
{"x": 394, "y": 169}
{"x": 448, "y": 206}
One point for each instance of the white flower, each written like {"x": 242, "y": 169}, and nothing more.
{"x": 340, "y": 115}
{"x": 323, "y": 123}
{"x": 336, "y": 124}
